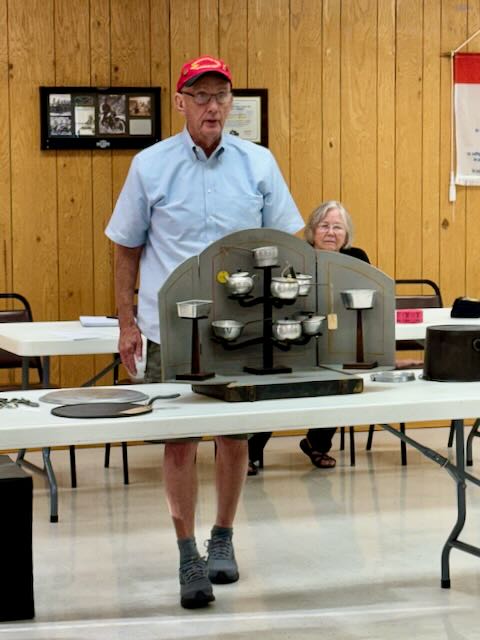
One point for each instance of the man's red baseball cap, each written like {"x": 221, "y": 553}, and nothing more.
{"x": 194, "y": 69}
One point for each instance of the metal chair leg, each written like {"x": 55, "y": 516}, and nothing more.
{"x": 73, "y": 467}
{"x": 471, "y": 435}
{"x": 342, "y": 438}
{"x": 52, "y": 483}
{"x": 352, "y": 446}
{"x": 371, "y": 430}
{"x": 106, "y": 462}
{"x": 451, "y": 435}
{"x": 125, "y": 462}
{"x": 403, "y": 446}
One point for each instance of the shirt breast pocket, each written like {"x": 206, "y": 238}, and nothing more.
{"x": 239, "y": 211}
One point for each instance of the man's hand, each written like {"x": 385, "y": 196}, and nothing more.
{"x": 126, "y": 269}
{"x": 130, "y": 347}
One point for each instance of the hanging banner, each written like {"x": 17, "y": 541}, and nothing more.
{"x": 467, "y": 117}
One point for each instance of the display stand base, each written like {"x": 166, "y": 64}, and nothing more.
{"x": 251, "y": 389}
{"x": 201, "y": 375}
{"x": 360, "y": 365}
{"x": 260, "y": 371}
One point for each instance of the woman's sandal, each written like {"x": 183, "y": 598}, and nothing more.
{"x": 318, "y": 459}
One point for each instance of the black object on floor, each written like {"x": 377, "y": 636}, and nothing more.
{"x": 16, "y": 491}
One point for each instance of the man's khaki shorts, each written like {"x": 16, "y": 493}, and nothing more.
{"x": 153, "y": 373}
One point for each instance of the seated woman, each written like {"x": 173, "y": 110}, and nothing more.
{"x": 329, "y": 228}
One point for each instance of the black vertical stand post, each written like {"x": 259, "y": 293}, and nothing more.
{"x": 195, "y": 371}
{"x": 267, "y": 320}
{"x": 267, "y": 334}
{"x": 360, "y": 361}
{"x": 359, "y": 336}
{"x": 195, "y": 347}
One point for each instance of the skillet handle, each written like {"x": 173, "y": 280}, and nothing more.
{"x": 167, "y": 397}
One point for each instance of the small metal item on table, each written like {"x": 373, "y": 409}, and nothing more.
{"x": 93, "y": 394}
{"x": 194, "y": 310}
{"x": 393, "y": 376}
{"x": 12, "y": 403}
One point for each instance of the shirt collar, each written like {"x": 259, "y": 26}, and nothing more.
{"x": 197, "y": 153}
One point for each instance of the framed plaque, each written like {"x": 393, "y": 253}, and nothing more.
{"x": 99, "y": 118}
{"x": 249, "y": 115}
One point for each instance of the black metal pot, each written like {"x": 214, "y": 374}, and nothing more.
{"x": 452, "y": 353}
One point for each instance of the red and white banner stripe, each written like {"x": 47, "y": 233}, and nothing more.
{"x": 467, "y": 117}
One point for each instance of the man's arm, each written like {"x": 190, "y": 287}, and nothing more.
{"x": 127, "y": 260}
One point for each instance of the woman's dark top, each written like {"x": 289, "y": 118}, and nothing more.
{"x": 355, "y": 252}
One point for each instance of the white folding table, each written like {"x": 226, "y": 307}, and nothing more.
{"x": 46, "y": 339}
{"x": 198, "y": 415}
{"x": 431, "y": 318}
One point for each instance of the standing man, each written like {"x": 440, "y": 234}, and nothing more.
{"x": 181, "y": 195}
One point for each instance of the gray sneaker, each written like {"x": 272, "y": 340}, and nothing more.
{"x": 221, "y": 564}
{"x": 195, "y": 587}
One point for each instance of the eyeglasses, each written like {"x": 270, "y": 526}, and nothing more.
{"x": 324, "y": 227}
{"x": 202, "y": 97}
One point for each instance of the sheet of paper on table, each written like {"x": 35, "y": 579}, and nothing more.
{"x": 98, "y": 321}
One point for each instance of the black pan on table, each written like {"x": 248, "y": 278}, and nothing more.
{"x": 108, "y": 409}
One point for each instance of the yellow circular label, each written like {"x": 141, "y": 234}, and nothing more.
{"x": 222, "y": 277}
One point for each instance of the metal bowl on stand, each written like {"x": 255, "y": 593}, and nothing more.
{"x": 312, "y": 325}
{"x": 265, "y": 256}
{"x": 287, "y": 329}
{"x": 284, "y": 288}
{"x": 227, "y": 329}
{"x": 193, "y": 308}
{"x": 358, "y": 298}
{"x": 304, "y": 283}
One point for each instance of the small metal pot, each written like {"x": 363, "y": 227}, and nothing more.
{"x": 304, "y": 283}
{"x": 240, "y": 283}
{"x": 284, "y": 288}
{"x": 287, "y": 329}
{"x": 227, "y": 329}
{"x": 312, "y": 325}
{"x": 265, "y": 256}
{"x": 358, "y": 298}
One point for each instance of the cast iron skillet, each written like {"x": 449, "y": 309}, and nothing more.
{"x": 107, "y": 409}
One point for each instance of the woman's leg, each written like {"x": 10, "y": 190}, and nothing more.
{"x": 256, "y": 444}
{"x": 316, "y": 446}
{"x": 321, "y": 439}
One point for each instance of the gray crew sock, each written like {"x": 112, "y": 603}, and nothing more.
{"x": 188, "y": 550}
{"x": 221, "y": 532}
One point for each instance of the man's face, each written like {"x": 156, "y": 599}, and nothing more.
{"x": 205, "y": 121}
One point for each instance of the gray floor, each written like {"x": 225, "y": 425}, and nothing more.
{"x": 350, "y": 553}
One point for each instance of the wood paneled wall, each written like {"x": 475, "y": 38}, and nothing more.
{"x": 359, "y": 99}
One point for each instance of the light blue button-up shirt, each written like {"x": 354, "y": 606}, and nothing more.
{"x": 176, "y": 202}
